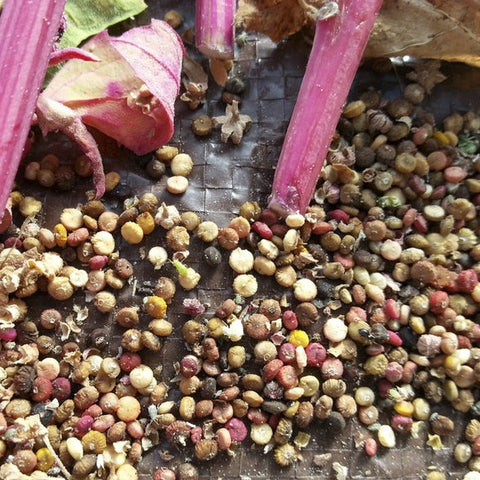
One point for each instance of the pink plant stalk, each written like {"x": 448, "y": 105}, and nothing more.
{"x": 27, "y": 33}
{"x": 215, "y": 28}
{"x": 342, "y": 31}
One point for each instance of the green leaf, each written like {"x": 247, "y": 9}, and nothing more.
{"x": 88, "y": 17}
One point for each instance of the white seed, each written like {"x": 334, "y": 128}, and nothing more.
{"x": 290, "y": 240}
{"x": 245, "y": 285}
{"x": 295, "y": 220}
{"x": 268, "y": 249}
{"x": 361, "y": 275}
{"x": 141, "y": 376}
{"x": 190, "y": 279}
{"x": 304, "y": 290}
{"x": 71, "y": 218}
{"x": 386, "y": 436}
{"x": 157, "y": 256}
{"x": 375, "y": 293}
{"x": 182, "y": 164}
{"x": 207, "y": 231}
{"x": 335, "y": 330}
{"x": 78, "y": 278}
{"x": 177, "y": 184}
{"x": 379, "y": 280}
{"x": 103, "y": 243}
{"x": 434, "y": 213}
{"x": 390, "y": 250}
{"x": 300, "y": 357}
{"x": 241, "y": 260}
{"x": 74, "y": 447}
{"x": 261, "y": 434}
{"x": 127, "y": 472}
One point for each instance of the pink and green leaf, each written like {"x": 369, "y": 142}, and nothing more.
{"x": 130, "y": 93}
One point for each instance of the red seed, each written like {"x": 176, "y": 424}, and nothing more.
{"x": 316, "y": 354}
{"x": 78, "y": 236}
{"x": 196, "y": 434}
{"x": 271, "y": 369}
{"x": 129, "y": 360}
{"x": 401, "y": 423}
{"x": 394, "y": 339}
{"x": 262, "y": 229}
{"x": 409, "y": 370}
{"x": 339, "y": 215}
{"x": 287, "y": 353}
{"x": 393, "y": 372}
{"x": 345, "y": 260}
{"x": 164, "y": 474}
{"x": 93, "y": 410}
{"x": 454, "y": 174}
{"x": 392, "y": 309}
{"x": 238, "y": 430}
{"x": 467, "y": 280}
{"x": 371, "y": 447}
{"x": 61, "y": 389}
{"x": 257, "y": 416}
{"x": 438, "y": 301}
{"x": 12, "y": 242}
{"x": 289, "y": 320}
{"x": 103, "y": 422}
{"x": 356, "y": 314}
{"x": 410, "y": 216}
{"x": 384, "y": 387}
{"x": 321, "y": 228}
{"x": 420, "y": 224}
{"x": 287, "y": 376}
{"x": 84, "y": 424}
{"x": 97, "y": 262}
{"x": 268, "y": 216}
{"x": 42, "y": 389}
{"x": 332, "y": 368}
{"x": 279, "y": 229}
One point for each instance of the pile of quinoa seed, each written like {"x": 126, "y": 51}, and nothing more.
{"x": 364, "y": 310}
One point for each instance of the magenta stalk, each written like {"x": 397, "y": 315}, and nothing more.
{"x": 215, "y": 28}
{"x": 340, "y": 39}
{"x": 27, "y": 33}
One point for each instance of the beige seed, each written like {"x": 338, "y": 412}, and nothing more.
{"x": 177, "y": 184}
{"x": 182, "y": 164}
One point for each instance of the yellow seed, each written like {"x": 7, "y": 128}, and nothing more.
{"x": 60, "y": 233}
{"x": 298, "y": 338}
{"x": 452, "y": 138}
{"x": 404, "y": 408}
{"x": 45, "y": 460}
{"x": 421, "y": 409}
{"x": 417, "y": 324}
{"x": 441, "y": 138}
{"x": 94, "y": 442}
{"x": 452, "y": 364}
{"x": 132, "y": 233}
{"x": 215, "y": 327}
{"x": 155, "y": 306}
{"x": 146, "y": 222}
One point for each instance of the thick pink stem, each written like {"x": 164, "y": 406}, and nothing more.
{"x": 27, "y": 32}
{"x": 215, "y": 28}
{"x": 336, "y": 53}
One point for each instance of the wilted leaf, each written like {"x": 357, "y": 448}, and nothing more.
{"x": 434, "y": 29}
